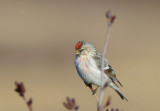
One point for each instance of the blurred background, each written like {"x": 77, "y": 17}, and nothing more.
{"x": 37, "y": 40}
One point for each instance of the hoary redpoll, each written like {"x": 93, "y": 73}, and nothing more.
{"x": 88, "y": 65}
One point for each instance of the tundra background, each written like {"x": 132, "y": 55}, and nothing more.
{"x": 37, "y": 40}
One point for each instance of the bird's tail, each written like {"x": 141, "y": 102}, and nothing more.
{"x": 121, "y": 95}
{"x": 112, "y": 85}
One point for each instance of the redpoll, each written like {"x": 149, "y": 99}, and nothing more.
{"x": 88, "y": 65}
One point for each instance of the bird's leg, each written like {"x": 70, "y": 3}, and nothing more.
{"x": 93, "y": 90}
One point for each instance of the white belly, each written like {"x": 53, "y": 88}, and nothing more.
{"x": 89, "y": 72}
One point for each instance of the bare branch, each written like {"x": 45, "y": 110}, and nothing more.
{"x": 110, "y": 19}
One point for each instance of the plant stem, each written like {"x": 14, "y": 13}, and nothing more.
{"x": 102, "y": 67}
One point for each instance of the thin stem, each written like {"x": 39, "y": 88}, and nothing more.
{"x": 102, "y": 67}
{"x": 98, "y": 101}
{"x": 96, "y": 97}
{"x": 25, "y": 100}
{"x": 30, "y": 108}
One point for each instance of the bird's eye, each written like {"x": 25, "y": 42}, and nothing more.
{"x": 81, "y": 50}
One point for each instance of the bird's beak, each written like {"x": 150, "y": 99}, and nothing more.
{"x": 78, "y": 52}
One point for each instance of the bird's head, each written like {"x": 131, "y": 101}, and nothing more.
{"x": 85, "y": 48}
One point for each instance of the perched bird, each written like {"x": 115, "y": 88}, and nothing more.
{"x": 88, "y": 65}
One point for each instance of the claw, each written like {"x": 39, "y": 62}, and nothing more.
{"x": 94, "y": 91}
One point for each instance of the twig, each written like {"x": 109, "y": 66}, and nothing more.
{"x": 99, "y": 101}
{"x": 20, "y": 89}
{"x": 110, "y": 19}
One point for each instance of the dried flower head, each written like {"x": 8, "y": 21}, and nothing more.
{"x": 29, "y": 103}
{"x": 71, "y": 104}
{"x": 20, "y": 88}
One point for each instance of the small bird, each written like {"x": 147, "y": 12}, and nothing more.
{"x": 88, "y": 65}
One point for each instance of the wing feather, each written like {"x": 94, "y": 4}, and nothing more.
{"x": 107, "y": 69}
{"x": 110, "y": 72}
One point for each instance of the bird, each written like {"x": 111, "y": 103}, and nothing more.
{"x": 88, "y": 62}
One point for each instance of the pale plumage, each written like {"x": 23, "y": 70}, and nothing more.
{"x": 88, "y": 65}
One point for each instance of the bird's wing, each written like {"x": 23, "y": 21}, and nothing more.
{"x": 110, "y": 72}
{"x": 107, "y": 69}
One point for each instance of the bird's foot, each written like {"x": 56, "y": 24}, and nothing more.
{"x": 93, "y": 90}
